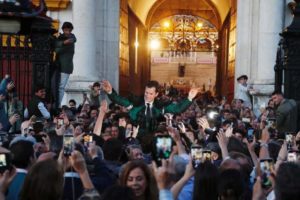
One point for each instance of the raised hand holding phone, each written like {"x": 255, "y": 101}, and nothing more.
{"x": 135, "y": 131}
{"x": 169, "y": 118}
{"x": 163, "y": 148}
{"x": 181, "y": 126}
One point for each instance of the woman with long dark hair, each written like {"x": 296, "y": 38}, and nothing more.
{"x": 206, "y": 182}
{"x": 137, "y": 175}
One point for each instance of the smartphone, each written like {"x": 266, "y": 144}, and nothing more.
{"x": 266, "y": 167}
{"x": 271, "y": 122}
{"x": 246, "y": 120}
{"x": 88, "y": 139}
{"x": 199, "y": 155}
{"x": 292, "y": 156}
{"x": 289, "y": 140}
{"x": 250, "y": 136}
{"x": 3, "y": 138}
{"x": 206, "y": 156}
{"x": 5, "y": 162}
{"x": 196, "y": 152}
{"x": 163, "y": 147}
{"x": 60, "y": 121}
{"x": 68, "y": 142}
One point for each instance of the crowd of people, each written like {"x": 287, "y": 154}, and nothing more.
{"x": 164, "y": 145}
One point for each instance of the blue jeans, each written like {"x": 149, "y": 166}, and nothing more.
{"x": 62, "y": 84}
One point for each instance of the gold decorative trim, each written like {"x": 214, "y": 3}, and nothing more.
{"x": 13, "y": 41}
{"x": 54, "y": 5}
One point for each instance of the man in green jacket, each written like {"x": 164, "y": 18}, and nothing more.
{"x": 286, "y": 113}
{"x": 148, "y": 111}
{"x": 64, "y": 49}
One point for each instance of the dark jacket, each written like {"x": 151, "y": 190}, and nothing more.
{"x": 65, "y": 53}
{"x": 33, "y": 107}
{"x": 4, "y": 118}
{"x": 137, "y": 112}
{"x": 286, "y": 116}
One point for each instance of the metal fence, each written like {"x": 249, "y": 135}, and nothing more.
{"x": 16, "y": 60}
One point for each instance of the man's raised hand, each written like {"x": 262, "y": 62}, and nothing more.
{"x": 192, "y": 93}
{"x": 106, "y": 86}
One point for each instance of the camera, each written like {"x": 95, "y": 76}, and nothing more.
{"x": 68, "y": 142}
{"x": 163, "y": 148}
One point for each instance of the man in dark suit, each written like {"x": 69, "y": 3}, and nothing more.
{"x": 148, "y": 111}
{"x": 286, "y": 113}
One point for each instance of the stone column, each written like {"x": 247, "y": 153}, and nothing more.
{"x": 85, "y": 73}
{"x": 259, "y": 23}
{"x": 107, "y": 41}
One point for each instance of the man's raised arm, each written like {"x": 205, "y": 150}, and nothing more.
{"x": 182, "y": 105}
{"x": 113, "y": 96}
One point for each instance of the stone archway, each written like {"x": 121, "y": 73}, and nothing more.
{"x": 217, "y": 12}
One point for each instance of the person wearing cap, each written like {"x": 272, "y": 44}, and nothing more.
{"x": 243, "y": 90}
{"x": 96, "y": 94}
{"x": 64, "y": 49}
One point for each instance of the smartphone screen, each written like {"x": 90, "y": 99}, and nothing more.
{"x": 199, "y": 155}
{"x": 271, "y": 122}
{"x": 163, "y": 147}
{"x": 87, "y": 139}
{"x": 292, "y": 156}
{"x": 266, "y": 167}
{"x": 196, "y": 152}
{"x": 60, "y": 121}
{"x": 4, "y": 162}
{"x": 289, "y": 138}
{"x": 68, "y": 144}
{"x": 206, "y": 155}
{"x": 250, "y": 134}
{"x": 246, "y": 120}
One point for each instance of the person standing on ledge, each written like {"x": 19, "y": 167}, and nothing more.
{"x": 64, "y": 49}
{"x": 243, "y": 90}
{"x": 147, "y": 112}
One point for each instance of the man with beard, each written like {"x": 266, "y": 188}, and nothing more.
{"x": 286, "y": 113}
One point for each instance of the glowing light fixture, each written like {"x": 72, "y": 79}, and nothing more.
{"x": 166, "y": 24}
{"x": 136, "y": 44}
{"x": 154, "y": 44}
{"x": 199, "y": 25}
